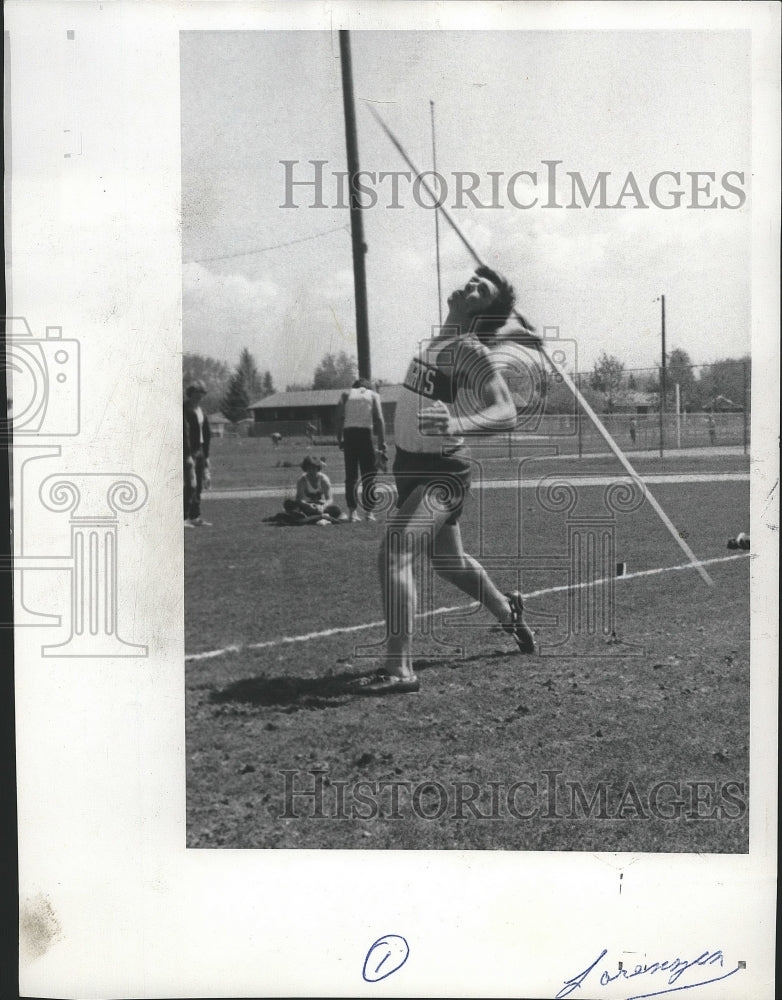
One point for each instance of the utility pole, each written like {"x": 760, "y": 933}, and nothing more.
{"x": 356, "y": 219}
{"x": 436, "y": 225}
{"x": 663, "y": 387}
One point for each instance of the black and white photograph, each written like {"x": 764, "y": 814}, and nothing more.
{"x": 553, "y": 567}
{"x": 455, "y": 638}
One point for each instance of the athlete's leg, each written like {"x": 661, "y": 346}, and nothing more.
{"x": 368, "y": 466}
{"x": 188, "y": 489}
{"x": 453, "y": 564}
{"x": 409, "y": 535}
{"x": 195, "y": 494}
{"x": 351, "y": 468}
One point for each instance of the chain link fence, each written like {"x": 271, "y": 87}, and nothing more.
{"x": 705, "y": 406}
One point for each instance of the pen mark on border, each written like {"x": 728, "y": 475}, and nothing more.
{"x": 390, "y": 946}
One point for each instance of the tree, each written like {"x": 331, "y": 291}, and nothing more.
{"x": 724, "y": 378}
{"x": 214, "y": 374}
{"x": 347, "y": 370}
{"x": 248, "y": 370}
{"x": 557, "y": 397}
{"x": 679, "y": 371}
{"x": 236, "y": 400}
{"x": 244, "y": 387}
{"x": 268, "y": 385}
{"x": 607, "y": 378}
{"x": 335, "y": 372}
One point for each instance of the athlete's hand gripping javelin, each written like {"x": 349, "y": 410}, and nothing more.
{"x": 487, "y": 410}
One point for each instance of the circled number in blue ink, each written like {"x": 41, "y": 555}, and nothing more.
{"x": 386, "y": 955}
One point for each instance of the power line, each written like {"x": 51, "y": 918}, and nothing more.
{"x": 275, "y": 246}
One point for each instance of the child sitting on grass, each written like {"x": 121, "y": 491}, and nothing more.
{"x": 314, "y": 497}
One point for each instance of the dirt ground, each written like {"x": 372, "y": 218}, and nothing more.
{"x": 631, "y": 741}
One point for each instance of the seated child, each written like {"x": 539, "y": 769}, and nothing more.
{"x": 313, "y": 496}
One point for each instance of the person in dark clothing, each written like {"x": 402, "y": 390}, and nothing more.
{"x": 189, "y": 474}
{"x": 359, "y": 414}
{"x": 198, "y": 434}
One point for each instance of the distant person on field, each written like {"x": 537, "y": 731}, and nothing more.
{"x": 633, "y": 429}
{"x": 712, "y": 425}
{"x": 276, "y": 439}
{"x": 360, "y": 413}
{"x": 189, "y": 476}
{"x": 311, "y": 431}
{"x": 314, "y": 497}
{"x": 198, "y": 436}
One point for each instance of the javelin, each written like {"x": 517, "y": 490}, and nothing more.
{"x": 540, "y": 345}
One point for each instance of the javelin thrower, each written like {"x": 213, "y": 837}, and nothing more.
{"x": 524, "y": 335}
{"x": 453, "y": 389}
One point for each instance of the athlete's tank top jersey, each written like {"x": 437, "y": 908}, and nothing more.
{"x": 359, "y": 406}
{"x": 450, "y": 370}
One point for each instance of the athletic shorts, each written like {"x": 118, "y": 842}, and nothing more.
{"x": 445, "y": 478}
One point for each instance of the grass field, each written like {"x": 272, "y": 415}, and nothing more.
{"x": 241, "y": 463}
{"x": 632, "y": 742}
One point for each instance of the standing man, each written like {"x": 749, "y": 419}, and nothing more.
{"x": 633, "y": 429}
{"x": 359, "y": 414}
{"x": 189, "y": 477}
{"x": 199, "y": 435}
{"x": 453, "y": 388}
{"x": 712, "y": 425}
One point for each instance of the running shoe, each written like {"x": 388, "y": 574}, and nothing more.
{"x": 516, "y": 627}
{"x": 380, "y": 684}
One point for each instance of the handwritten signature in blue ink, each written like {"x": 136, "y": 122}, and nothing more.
{"x": 386, "y": 956}
{"x": 672, "y": 969}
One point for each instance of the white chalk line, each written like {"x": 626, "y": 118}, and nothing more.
{"x": 655, "y": 479}
{"x": 347, "y": 629}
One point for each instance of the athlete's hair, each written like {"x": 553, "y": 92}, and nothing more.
{"x": 311, "y": 462}
{"x": 500, "y": 308}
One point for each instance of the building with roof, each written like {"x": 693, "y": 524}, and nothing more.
{"x": 221, "y": 425}
{"x": 288, "y": 413}
{"x": 218, "y": 424}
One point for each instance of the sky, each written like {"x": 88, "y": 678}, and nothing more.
{"x": 279, "y": 280}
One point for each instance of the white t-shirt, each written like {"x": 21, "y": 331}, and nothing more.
{"x": 200, "y": 417}
{"x": 359, "y": 408}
